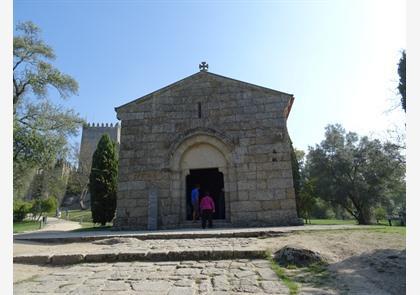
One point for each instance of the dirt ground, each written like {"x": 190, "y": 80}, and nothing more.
{"x": 359, "y": 261}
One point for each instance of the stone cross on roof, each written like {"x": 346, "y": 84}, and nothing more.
{"x": 203, "y": 66}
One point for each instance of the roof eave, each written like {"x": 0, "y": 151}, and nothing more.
{"x": 289, "y": 106}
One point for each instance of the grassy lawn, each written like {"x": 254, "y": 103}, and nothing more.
{"x": 388, "y": 229}
{"x": 348, "y": 221}
{"x": 84, "y": 217}
{"x": 332, "y": 221}
{"x": 78, "y": 215}
{"x": 23, "y": 226}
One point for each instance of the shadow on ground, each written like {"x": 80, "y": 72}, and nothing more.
{"x": 380, "y": 272}
{"x": 377, "y": 272}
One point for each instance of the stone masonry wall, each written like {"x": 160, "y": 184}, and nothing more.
{"x": 251, "y": 117}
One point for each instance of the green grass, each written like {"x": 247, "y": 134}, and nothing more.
{"x": 395, "y": 223}
{"x": 318, "y": 273}
{"x": 77, "y": 215}
{"x": 84, "y": 217}
{"x": 280, "y": 272}
{"x": 388, "y": 229}
{"x": 314, "y": 275}
{"x": 27, "y": 225}
{"x": 332, "y": 221}
{"x": 396, "y": 230}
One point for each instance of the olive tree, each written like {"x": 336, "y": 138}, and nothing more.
{"x": 356, "y": 173}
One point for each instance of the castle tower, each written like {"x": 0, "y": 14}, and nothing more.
{"x": 91, "y": 134}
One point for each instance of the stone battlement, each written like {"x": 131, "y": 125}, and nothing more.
{"x": 101, "y": 125}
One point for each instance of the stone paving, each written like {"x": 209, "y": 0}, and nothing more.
{"x": 176, "y": 244}
{"x": 129, "y": 244}
{"x": 221, "y": 277}
{"x": 130, "y": 249}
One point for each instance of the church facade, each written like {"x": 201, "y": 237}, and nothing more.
{"x": 226, "y": 135}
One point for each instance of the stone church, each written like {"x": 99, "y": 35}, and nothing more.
{"x": 227, "y": 135}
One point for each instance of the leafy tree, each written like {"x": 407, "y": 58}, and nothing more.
{"x": 37, "y": 188}
{"x": 31, "y": 69}
{"x": 297, "y": 158}
{"x": 42, "y": 206}
{"x": 355, "y": 173}
{"x": 20, "y": 209}
{"x": 57, "y": 179}
{"x": 307, "y": 200}
{"x": 379, "y": 213}
{"x": 402, "y": 82}
{"x": 40, "y": 128}
{"x": 78, "y": 179}
{"x": 322, "y": 209}
{"x": 103, "y": 181}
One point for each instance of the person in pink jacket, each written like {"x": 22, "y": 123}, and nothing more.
{"x": 207, "y": 209}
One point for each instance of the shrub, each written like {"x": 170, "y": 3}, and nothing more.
{"x": 322, "y": 210}
{"x": 49, "y": 205}
{"x": 20, "y": 210}
{"x": 41, "y": 206}
{"x": 379, "y": 213}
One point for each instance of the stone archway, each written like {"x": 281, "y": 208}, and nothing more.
{"x": 200, "y": 151}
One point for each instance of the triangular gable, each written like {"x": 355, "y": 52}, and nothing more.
{"x": 192, "y": 78}
{"x": 145, "y": 97}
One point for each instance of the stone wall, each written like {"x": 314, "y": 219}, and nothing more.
{"x": 246, "y": 123}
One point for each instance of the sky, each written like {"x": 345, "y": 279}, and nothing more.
{"x": 337, "y": 57}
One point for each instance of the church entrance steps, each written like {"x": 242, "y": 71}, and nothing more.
{"x": 149, "y": 256}
{"x": 217, "y": 224}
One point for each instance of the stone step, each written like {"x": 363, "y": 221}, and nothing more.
{"x": 150, "y": 256}
{"x": 217, "y": 223}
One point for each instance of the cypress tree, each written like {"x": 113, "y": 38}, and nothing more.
{"x": 103, "y": 181}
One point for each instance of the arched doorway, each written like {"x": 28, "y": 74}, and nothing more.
{"x": 201, "y": 163}
{"x": 206, "y": 158}
{"x": 211, "y": 180}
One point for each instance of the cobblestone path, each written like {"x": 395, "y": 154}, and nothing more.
{"x": 171, "y": 278}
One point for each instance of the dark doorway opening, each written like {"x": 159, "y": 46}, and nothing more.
{"x": 210, "y": 180}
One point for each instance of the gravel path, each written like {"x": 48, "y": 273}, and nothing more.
{"x": 54, "y": 226}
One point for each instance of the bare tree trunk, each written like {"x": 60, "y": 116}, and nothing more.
{"x": 82, "y": 198}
